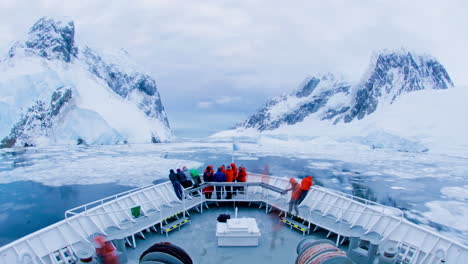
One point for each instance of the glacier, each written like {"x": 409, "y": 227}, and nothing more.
{"x": 55, "y": 92}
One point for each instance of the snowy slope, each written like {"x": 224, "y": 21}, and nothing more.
{"x": 404, "y": 102}
{"x": 54, "y": 92}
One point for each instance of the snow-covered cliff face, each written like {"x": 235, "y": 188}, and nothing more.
{"x": 324, "y": 97}
{"x": 330, "y": 98}
{"x": 54, "y": 92}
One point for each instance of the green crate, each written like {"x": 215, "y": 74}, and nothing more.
{"x": 136, "y": 211}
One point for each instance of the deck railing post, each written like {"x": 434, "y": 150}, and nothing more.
{"x": 183, "y": 201}
{"x": 203, "y": 200}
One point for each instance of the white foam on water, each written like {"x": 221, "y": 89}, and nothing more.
{"x": 449, "y": 213}
{"x": 456, "y": 192}
{"x": 130, "y": 166}
{"x": 246, "y": 158}
{"x": 398, "y": 188}
{"x": 321, "y": 165}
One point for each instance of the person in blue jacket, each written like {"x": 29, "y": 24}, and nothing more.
{"x": 219, "y": 177}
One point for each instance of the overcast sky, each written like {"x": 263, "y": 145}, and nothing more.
{"x": 217, "y": 61}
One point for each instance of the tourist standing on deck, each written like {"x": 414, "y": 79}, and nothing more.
{"x": 235, "y": 170}
{"x": 242, "y": 177}
{"x": 195, "y": 177}
{"x": 208, "y": 176}
{"x": 187, "y": 183}
{"x": 306, "y": 183}
{"x": 219, "y": 177}
{"x": 236, "y": 173}
{"x": 182, "y": 178}
{"x": 175, "y": 183}
{"x": 295, "y": 196}
{"x": 229, "y": 178}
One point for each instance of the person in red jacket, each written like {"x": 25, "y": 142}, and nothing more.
{"x": 295, "y": 195}
{"x": 208, "y": 176}
{"x": 306, "y": 183}
{"x": 229, "y": 178}
{"x": 236, "y": 173}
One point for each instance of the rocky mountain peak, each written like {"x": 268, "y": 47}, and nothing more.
{"x": 414, "y": 68}
{"x": 394, "y": 73}
{"x": 76, "y": 101}
{"x": 51, "y": 39}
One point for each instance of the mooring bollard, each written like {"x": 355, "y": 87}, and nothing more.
{"x": 389, "y": 255}
{"x": 86, "y": 256}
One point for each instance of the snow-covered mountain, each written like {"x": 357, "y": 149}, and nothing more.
{"x": 53, "y": 91}
{"x": 330, "y": 98}
{"x": 404, "y": 102}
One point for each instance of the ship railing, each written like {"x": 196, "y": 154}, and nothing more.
{"x": 247, "y": 197}
{"x": 87, "y": 219}
{"x": 389, "y": 225}
{"x": 370, "y": 215}
{"x": 265, "y": 178}
{"x": 86, "y": 207}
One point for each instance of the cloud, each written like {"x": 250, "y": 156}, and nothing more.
{"x": 281, "y": 41}
{"x": 205, "y": 105}
{"x": 217, "y": 102}
{"x": 227, "y": 99}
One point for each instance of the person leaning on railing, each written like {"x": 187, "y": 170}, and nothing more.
{"x": 295, "y": 195}
{"x": 176, "y": 183}
{"x": 195, "y": 177}
{"x": 306, "y": 183}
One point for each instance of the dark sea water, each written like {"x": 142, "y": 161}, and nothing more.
{"x": 27, "y": 206}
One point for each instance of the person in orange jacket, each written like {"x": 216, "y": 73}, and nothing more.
{"x": 241, "y": 177}
{"x": 235, "y": 170}
{"x": 295, "y": 195}
{"x": 106, "y": 251}
{"x": 229, "y": 178}
{"x": 236, "y": 173}
{"x": 306, "y": 183}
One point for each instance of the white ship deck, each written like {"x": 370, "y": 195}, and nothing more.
{"x": 339, "y": 215}
{"x": 277, "y": 243}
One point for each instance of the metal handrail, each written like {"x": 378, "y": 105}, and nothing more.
{"x": 191, "y": 190}
{"x": 106, "y": 199}
{"x": 264, "y": 185}
{"x": 353, "y": 197}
